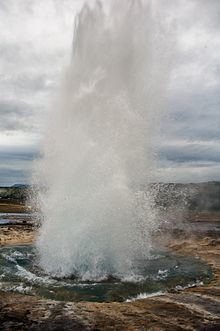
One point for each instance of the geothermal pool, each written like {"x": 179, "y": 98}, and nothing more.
{"x": 19, "y": 272}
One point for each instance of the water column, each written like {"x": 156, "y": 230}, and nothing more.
{"x": 100, "y": 145}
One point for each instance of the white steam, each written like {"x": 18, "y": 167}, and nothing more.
{"x": 99, "y": 147}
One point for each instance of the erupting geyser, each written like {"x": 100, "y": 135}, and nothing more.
{"x": 99, "y": 147}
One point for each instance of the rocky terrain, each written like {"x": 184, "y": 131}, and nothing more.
{"x": 16, "y": 234}
{"x": 196, "y": 308}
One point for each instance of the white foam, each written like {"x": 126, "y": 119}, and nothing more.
{"x": 181, "y": 288}
{"x": 142, "y": 296}
{"x": 21, "y": 288}
{"x": 31, "y": 277}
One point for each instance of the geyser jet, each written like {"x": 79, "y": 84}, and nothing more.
{"x": 99, "y": 148}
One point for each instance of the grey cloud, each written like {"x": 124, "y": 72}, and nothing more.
{"x": 194, "y": 116}
{"x": 7, "y": 156}
{"x": 209, "y": 11}
{"x": 10, "y": 177}
{"x": 188, "y": 172}
{"x": 16, "y": 163}
{"x": 4, "y": 5}
{"x": 28, "y": 82}
{"x": 25, "y": 55}
{"x": 38, "y": 43}
{"x": 18, "y": 151}
{"x": 191, "y": 153}
{"x": 15, "y": 116}
{"x": 10, "y": 51}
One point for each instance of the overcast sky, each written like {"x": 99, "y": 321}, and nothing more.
{"x": 35, "y": 47}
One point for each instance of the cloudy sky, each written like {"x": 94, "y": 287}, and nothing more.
{"x": 35, "y": 47}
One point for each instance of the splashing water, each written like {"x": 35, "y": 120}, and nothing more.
{"x": 164, "y": 271}
{"x": 99, "y": 148}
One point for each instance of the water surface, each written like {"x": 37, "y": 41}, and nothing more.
{"x": 164, "y": 271}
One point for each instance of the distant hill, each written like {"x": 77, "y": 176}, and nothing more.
{"x": 193, "y": 196}
{"x": 21, "y": 186}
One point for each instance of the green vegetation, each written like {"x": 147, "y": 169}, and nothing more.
{"x": 16, "y": 193}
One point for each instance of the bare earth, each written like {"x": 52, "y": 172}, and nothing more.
{"x": 12, "y": 207}
{"x": 196, "y": 308}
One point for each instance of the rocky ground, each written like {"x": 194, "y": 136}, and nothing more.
{"x": 12, "y": 207}
{"x": 196, "y": 308}
{"x": 16, "y": 234}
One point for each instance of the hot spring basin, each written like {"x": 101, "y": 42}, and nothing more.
{"x": 164, "y": 271}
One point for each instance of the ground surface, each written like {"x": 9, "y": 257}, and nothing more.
{"x": 12, "y": 207}
{"x": 191, "y": 309}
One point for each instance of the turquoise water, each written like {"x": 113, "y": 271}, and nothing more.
{"x": 164, "y": 271}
